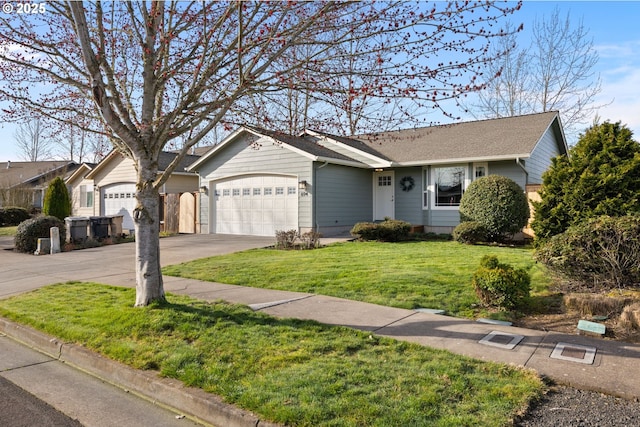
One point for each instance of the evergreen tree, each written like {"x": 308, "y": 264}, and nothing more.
{"x": 600, "y": 176}
{"x": 56, "y": 200}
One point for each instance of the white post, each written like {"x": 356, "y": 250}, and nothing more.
{"x": 55, "y": 240}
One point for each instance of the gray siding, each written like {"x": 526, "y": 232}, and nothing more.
{"x": 510, "y": 169}
{"x": 250, "y": 155}
{"x": 444, "y": 218}
{"x": 540, "y": 160}
{"x": 343, "y": 196}
{"x": 408, "y": 204}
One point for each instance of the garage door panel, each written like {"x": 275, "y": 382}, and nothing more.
{"x": 255, "y": 205}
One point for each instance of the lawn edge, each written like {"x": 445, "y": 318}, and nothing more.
{"x": 192, "y": 402}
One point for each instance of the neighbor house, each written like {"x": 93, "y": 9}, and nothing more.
{"x": 108, "y": 188}
{"x": 258, "y": 181}
{"x": 25, "y": 183}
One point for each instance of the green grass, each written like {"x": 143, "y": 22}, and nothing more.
{"x": 8, "y": 231}
{"x": 296, "y": 372}
{"x": 406, "y": 275}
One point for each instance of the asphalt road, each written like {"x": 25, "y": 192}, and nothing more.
{"x": 21, "y": 409}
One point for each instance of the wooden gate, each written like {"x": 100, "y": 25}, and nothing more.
{"x": 187, "y": 220}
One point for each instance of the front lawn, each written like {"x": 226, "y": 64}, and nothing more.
{"x": 409, "y": 275}
{"x": 299, "y": 373}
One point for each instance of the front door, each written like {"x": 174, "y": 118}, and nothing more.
{"x": 383, "y": 195}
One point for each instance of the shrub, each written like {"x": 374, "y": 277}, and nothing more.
{"x": 13, "y": 216}
{"x": 470, "y": 232}
{"x": 496, "y": 202}
{"x": 56, "y": 200}
{"x": 286, "y": 239}
{"x": 601, "y": 176}
{"x": 500, "y": 285}
{"x": 29, "y": 231}
{"x": 310, "y": 239}
{"x": 601, "y": 251}
{"x": 389, "y": 230}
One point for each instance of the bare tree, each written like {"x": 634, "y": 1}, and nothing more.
{"x": 160, "y": 71}
{"x": 80, "y": 145}
{"x": 555, "y": 72}
{"x": 510, "y": 93}
{"x": 31, "y": 141}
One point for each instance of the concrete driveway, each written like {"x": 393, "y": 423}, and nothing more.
{"x": 113, "y": 264}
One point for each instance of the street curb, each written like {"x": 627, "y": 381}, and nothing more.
{"x": 194, "y": 403}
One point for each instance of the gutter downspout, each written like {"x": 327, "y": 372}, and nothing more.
{"x": 526, "y": 173}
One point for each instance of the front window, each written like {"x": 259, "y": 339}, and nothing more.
{"x": 479, "y": 170}
{"x": 449, "y": 185}
{"x": 86, "y": 196}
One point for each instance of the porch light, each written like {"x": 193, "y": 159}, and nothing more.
{"x": 203, "y": 189}
{"x": 303, "y": 185}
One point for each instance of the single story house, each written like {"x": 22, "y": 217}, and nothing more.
{"x": 25, "y": 183}
{"x": 259, "y": 181}
{"x": 108, "y": 188}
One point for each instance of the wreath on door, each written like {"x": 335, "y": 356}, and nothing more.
{"x": 407, "y": 183}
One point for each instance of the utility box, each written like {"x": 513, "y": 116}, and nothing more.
{"x": 76, "y": 228}
{"x": 99, "y": 227}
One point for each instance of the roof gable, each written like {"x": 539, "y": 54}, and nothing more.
{"x": 305, "y": 146}
{"x": 164, "y": 160}
{"x": 81, "y": 172}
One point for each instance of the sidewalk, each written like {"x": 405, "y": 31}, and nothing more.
{"x": 588, "y": 363}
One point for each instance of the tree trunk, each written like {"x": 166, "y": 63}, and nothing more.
{"x": 149, "y": 286}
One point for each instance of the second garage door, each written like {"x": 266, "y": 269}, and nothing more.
{"x": 255, "y": 205}
{"x": 120, "y": 199}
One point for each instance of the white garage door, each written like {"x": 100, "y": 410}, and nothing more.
{"x": 120, "y": 199}
{"x": 255, "y": 205}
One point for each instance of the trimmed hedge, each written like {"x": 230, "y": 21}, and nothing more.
{"x": 29, "y": 231}
{"x": 599, "y": 252}
{"x": 470, "y": 232}
{"x": 389, "y": 230}
{"x": 496, "y": 202}
{"x": 10, "y": 216}
{"x": 500, "y": 285}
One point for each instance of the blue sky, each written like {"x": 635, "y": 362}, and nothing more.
{"x": 613, "y": 25}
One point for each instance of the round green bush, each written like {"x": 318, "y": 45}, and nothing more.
{"x": 496, "y": 202}
{"x": 470, "y": 232}
{"x": 56, "y": 200}
{"x": 500, "y": 285}
{"x": 29, "y": 231}
{"x": 13, "y": 216}
{"x": 599, "y": 252}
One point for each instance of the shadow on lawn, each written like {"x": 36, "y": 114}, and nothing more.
{"x": 213, "y": 313}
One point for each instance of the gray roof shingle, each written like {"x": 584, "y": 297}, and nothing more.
{"x": 510, "y": 136}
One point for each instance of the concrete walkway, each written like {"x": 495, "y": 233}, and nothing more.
{"x": 588, "y": 363}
